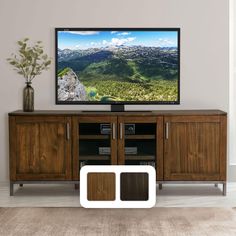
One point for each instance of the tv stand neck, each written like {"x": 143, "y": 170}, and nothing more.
{"x": 117, "y": 107}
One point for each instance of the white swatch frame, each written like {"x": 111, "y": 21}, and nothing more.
{"x": 117, "y": 170}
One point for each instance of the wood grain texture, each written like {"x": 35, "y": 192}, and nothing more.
{"x": 195, "y": 150}
{"x": 51, "y": 151}
{"x": 136, "y": 120}
{"x": 114, "y": 142}
{"x": 134, "y": 186}
{"x": 27, "y": 139}
{"x": 95, "y": 157}
{"x": 192, "y": 151}
{"x": 12, "y": 147}
{"x": 90, "y": 137}
{"x": 101, "y": 186}
{"x": 158, "y": 120}
{"x": 223, "y": 147}
{"x": 160, "y": 148}
{"x": 42, "y": 150}
{"x": 121, "y": 141}
{"x": 99, "y": 119}
{"x": 108, "y": 113}
{"x": 77, "y": 121}
{"x": 193, "y": 118}
{"x": 75, "y": 148}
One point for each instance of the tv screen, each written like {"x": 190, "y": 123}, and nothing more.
{"x": 124, "y": 66}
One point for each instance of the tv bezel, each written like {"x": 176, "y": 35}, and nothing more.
{"x": 177, "y": 102}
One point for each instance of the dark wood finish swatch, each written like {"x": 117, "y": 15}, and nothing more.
{"x": 101, "y": 186}
{"x": 134, "y": 186}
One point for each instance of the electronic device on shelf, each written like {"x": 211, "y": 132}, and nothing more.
{"x": 131, "y": 150}
{"x": 104, "y": 150}
{"x": 128, "y": 150}
{"x": 105, "y": 128}
{"x": 83, "y": 163}
{"x": 129, "y": 128}
{"x": 150, "y": 163}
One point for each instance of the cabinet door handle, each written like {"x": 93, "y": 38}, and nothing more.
{"x": 121, "y": 130}
{"x": 167, "y": 130}
{"x": 67, "y": 131}
{"x": 113, "y": 131}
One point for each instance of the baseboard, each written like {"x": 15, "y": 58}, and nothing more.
{"x": 231, "y": 173}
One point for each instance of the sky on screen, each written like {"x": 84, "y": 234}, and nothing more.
{"x": 98, "y": 39}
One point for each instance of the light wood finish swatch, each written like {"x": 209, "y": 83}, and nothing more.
{"x": 101, "y": 186}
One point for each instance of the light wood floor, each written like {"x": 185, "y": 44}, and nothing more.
{"x": 64, "y": 195}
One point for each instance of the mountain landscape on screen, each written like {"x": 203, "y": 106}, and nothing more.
{"x": 117, "y": 66}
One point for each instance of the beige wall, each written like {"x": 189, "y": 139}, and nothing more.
{"x": 204, "y": 47}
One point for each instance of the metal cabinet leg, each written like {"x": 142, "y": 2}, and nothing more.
{"x": 216, "y": 185}
{"x": 224, "y": 189}
{"x": 160, "y": 186}
{"x": 76, "y": 186}
{"x": 11, "y": 189}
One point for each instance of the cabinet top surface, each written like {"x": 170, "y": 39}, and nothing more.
{"x": 109, "y": 113}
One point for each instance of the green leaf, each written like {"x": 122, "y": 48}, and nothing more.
{"x": 13, "y": 63}
{"x": 47, "y": 63}
{"x": 44, "y": 57}
{"x": 29, "y": 60}
{"x": 20, "y": 43}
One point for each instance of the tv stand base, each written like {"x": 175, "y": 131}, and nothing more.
{"x": 224, "y": 183}
{"x": 21, "y": 182}
{"x": 117, "y": 107}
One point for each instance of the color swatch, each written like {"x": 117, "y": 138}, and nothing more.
{"x": 117, "y": 186}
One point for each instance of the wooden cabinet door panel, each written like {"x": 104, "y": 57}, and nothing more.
{"x": 52, "y": 148}
{"x": 193, "y": 148}
{"x": 27, "y": 148}
{"x": 42, "y": 148}
{"x": 112, "y": 139}
{"x": 158, "y": 122}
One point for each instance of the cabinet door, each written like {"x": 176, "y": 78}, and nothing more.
{"x": 140, "y": 142}
{"x": 40, "y": 148}
{"x": 195, "y": 148}
{"x": 94, "y": 141}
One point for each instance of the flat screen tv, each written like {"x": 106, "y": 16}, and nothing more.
{"x": 117, "y": 65}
